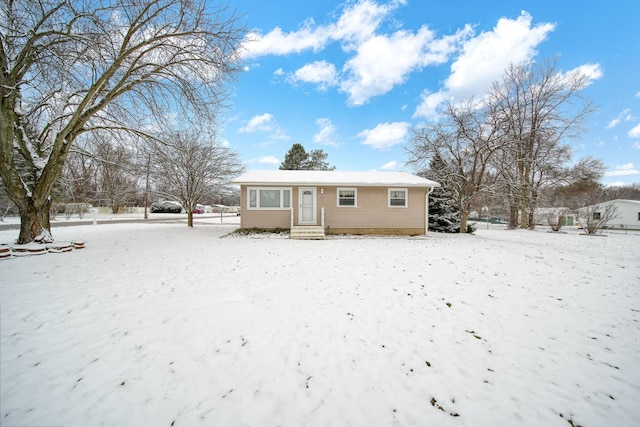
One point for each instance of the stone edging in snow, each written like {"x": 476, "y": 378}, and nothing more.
{"x": 9, "y": 251}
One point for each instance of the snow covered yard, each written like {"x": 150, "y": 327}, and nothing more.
{"x": 160, "y": 325}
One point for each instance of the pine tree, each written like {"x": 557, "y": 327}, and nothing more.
{"x": 295, "y": 158}
{"x": 317, "y": 161}
{"x": 298, "y": 159}
{"x": 443, "y": 215}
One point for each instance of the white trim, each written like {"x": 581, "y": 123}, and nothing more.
{"x": 426, "y": 210}
{"x": 355, "y": 197}
{"x": 406, "y": 197}
{"x": 282, "y": 199}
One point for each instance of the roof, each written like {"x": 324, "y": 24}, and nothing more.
{"x": 306, "y": 177}
{"x": 614, "y": 202}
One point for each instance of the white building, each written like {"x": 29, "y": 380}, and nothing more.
{"x": 627, "y": 215}
{"x": 545, "y": 216}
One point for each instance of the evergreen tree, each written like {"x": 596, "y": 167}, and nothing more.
{"x": 295, "y": 158}
{"x": 444, "y": 217}
{"x": 298, "y": 159}
{"x": 317, "y": 161}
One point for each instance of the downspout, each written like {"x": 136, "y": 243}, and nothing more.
{"x": 426, "y": 211}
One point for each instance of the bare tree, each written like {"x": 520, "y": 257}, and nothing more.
{"x": 5, "y": 203}
{"x": 70, "y": 67}
{"x": 77, "y": 185}
{"x": 538, "y": 109}
{"x": 117, "y": 181}
{"x": 463, "y": 143}
{"x": 630, "y": 192}
{"x": 556, "y": 218}
{"x": 584, "y": 183}
{"x": 594, "y": 218}
{"x": 190, "y": 167}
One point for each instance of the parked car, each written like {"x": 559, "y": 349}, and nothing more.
{"x": 165, "y": 207}
{"x": 197, "y": 211}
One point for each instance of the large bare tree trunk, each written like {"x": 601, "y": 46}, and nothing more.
{"x": 463, "y": 221}
{"x": 35, "y": 223}
{"x": 513, "y": 216}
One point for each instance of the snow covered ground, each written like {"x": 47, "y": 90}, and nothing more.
{"x": 160, "y": 325}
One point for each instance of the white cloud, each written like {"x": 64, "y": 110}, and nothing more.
{"x": 327, "y": 133}
{"x": 264, "y": 123}
{"x": 278, "y": 72}
{"x": 484, "y": 58}
{"x": 589, "y": 72}
{"x": 623, "y": 116}
{"x": 623, "y": 170}
{"x": 269, "y": 160}
{"x": 385, "y": 135}
{"x": 638, "y": 94}
{"x": 379, "y": 61}
{"x": 260, "y": 123}
{"x": 389, "y": 166}
{"x": 356, "y": 23}
{"x": 322, "y": 73}
{"x": 360, "y": 22}
{"x": 613, "y": 123}
{"x": 635, "y": 132}
{"x": 277, "y": 42}
{"x": 369, "y": 73}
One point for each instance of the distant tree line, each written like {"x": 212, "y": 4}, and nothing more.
{"x": 185, "y": 167}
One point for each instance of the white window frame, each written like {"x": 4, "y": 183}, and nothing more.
{"x": 406, "y": 197}
{"x": 273, "y": 208}
{"x": 355, "y": 197}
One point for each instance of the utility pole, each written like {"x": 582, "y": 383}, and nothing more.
{"x": 146, "y": 189}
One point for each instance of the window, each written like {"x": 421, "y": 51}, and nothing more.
{"x": 596, "y": 216}
{"x": 347, "y": 197}
{"x": 397, "y": 197}
{"x": 638, "y": 216}
{"x": 269, "y": 198}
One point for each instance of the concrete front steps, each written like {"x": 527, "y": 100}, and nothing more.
{"x": 307, "y": 232}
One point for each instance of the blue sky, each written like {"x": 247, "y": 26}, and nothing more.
{"x": 353, "y": 78}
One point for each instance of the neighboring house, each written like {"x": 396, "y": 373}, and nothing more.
{"x": 626, "y": 215}
{"x": 550, "y": 216}
{"x": 335, "y": 202}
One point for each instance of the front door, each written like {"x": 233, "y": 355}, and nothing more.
{"x": 307, "y": 206}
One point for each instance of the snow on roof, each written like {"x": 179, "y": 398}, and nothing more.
{"x": 615, "y": 202}
{"x": 304, "y": 177}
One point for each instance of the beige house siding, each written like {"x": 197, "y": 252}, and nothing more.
{"x": 263, "y": 218}
{"x": 371, "y": 215}
{"x": 372, "y": 210}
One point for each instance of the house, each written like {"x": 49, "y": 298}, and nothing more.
{"x": 311, "y": 203}
{"x": 554, "y": 216}
{"x": 625, "y": 214}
